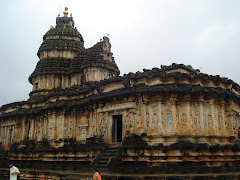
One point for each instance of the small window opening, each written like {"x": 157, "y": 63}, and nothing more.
{"x": 109, "y": 75}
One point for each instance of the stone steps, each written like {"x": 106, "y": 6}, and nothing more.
{"x": 102, "y": 164}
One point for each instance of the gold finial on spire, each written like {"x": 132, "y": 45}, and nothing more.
{"x": 65, "y": 12}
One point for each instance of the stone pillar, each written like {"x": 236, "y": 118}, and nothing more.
{"x": 47, "y": 85}
{"x": 79, "y": 79}
{"x": 23, "y": 128}
{"x": 150, "y": 120}
{"x": 210, "y": 118}
{"x": 57, "y": 81}
{"x": 71, "y": 118}
{"x": 107, "y": 117}
{"x": 74, "y": 123}
{"x": 63, "y": 81}
{"x": 221, "y": 118}
{"x": 173, "y": 100}
{"x": 51, "y": 125}
{"x": 4, "y": 137}
{"x": 144, "y": 111}
{"x": 231, "y": 123}
{"x": 39, "y": 129}
{"x": 94, "y": 120}
{"x": 190, "y": 123}
{"x": 139, "y": 117}
{"x": 60, "y": 125}
{"x": 52, "y": 77}
{"x": 54, "y": 124}
{"x": 39, "y": 82}
{"x": 43, "y": 81}
{"x": 7, "y": 137}
{"x": 93, "y": 123}
{"x": 184, "y": 121}
{"x": 200, "y": 101}
{"x": 1, "y": 131}
{"x": 160, "y": 119}
{"x": 78, "y": 124}
{"x": 32, "y": 128}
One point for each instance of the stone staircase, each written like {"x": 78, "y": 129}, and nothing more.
{"x": 105, "y": 158}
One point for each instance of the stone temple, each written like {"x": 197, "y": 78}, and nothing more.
{"x": 81, "y": 113}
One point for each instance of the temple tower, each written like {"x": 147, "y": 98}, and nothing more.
{"x": 65, "y": 62}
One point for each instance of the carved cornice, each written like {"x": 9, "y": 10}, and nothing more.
{"x": 144, "y": 89}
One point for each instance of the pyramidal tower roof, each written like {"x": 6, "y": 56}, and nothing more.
{"x": 62, "y": 52}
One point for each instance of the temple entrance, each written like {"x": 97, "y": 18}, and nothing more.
{"x": 117, "y": 129}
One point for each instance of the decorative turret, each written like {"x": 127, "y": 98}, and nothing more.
{"x": 98, "y": 63}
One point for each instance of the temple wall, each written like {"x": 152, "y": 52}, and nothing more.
{"x": 80, "y": 107}
{"x": 63, "y": 37}
{"x": 165, "y": 119}
{"x": 58, "y": 54}
{"x": 75, "y": 79}
{"x": 94, "y": 74}
{"x": 163, "y": 124}
{"x": 51, "y": 81}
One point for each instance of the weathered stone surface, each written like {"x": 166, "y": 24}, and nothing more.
{"x": 172, "y": 119}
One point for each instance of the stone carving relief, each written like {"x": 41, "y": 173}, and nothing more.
{"x": 147, "y": 120}
{"x": 82, "y": 122}
{"x": 51, "y": 126}
{"x": 196, "y": 118}
{"x": 140, "y": 121}
{"x": 129, "y": 121}
{"x": 39, "y": 130}
{"x": 16, "y": 133}
{"x": 226, "y": 122}
{"x": 155, "y": 120}
{"x": 235, "y": 124}
{"x": 70, "y": 127}
{"x": 182, "y": 121}
{"x": 59, "y": 126}
{"x": 30, "y": 130}
{"x": 169, "y": 121}
{"x": 229, "y": 123}
{"x": 215, "y": 119}
{"x": 210, "y": 122}
{"x": 221, "y": 123}
{"x": 78, "y": 127}
{"x": 102, "y": 121}
{"x": 65, "y": 128}
{"x": 83, "y": 131}
{"x": 50, "y": 133}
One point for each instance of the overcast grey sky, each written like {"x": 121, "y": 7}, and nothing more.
{"x": 143, "y": 34}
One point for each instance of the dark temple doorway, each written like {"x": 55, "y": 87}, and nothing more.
{"x": 117, "y": 128}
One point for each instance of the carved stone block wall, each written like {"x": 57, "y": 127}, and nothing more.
{"x": 164, "y": 118}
